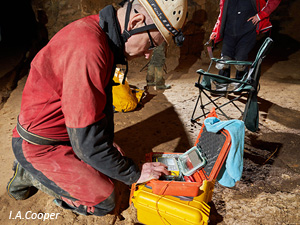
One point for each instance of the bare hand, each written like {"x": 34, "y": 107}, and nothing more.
{"x": 212, "y": 36}
{"x": 152, "y": 170}
{"x": 253, "y": 19}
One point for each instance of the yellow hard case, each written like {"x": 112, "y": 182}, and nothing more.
{"x": 155, "y": 209}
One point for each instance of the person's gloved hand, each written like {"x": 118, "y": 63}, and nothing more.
{"x": 152, "y": 170}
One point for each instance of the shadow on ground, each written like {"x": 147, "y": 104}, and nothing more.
{"x": 142, "y": 137}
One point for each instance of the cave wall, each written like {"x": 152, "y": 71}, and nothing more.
{"x": 60, "y": 13}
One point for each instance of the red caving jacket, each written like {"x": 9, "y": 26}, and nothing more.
{"x": 68, "y": 97}
{"x": 263, "y": 9}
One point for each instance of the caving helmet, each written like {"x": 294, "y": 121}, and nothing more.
{"x": 168, "y": 16}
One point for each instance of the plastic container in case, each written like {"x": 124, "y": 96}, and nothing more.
{"x": 172, "y": 187}
{"x": 191, "y": 161}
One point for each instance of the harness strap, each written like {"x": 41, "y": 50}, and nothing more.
{"x": 36, "y": 139}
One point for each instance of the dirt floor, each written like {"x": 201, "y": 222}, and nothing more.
{"x": 269, "y": 191}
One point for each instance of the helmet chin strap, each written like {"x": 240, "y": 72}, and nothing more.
{"x": 127, "y": 34}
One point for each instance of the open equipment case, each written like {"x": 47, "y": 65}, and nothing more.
{"x": 182, "y": 199}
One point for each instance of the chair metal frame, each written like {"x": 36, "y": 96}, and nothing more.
{"x": 247, "y": 86}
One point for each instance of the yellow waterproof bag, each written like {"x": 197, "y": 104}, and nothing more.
{"x": 125, "y": 99}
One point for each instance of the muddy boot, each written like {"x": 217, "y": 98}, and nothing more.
{"x": 20, "y": 185}
{"x": 160, "y": 81}
{"x": 150, "y": 75}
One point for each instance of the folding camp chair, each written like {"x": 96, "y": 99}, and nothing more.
{"x": 222, "y": 86}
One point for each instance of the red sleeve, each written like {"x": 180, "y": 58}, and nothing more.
{"x": 215, "y": 35}
{"x": 83, "y": 93}
{"x": 88, "y": 63}
{"x": 268, "y": 8}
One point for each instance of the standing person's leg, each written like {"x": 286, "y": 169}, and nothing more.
{"x": 156, "y": 66}
{"x": 160, "y": 59}
{"x": 150, "y": 78}
{"x": 228, "y": 49}
{"x": 244, "y": 45}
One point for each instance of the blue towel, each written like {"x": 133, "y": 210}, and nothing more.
{"x": 231, "y": 172}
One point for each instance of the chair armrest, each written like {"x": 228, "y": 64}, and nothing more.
{"x": 232, "y": 62}
{"x": 204, "y": 73}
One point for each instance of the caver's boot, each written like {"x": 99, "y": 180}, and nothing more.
{"x": 22, "y": 184}
{"x": 160, "y": 81}
{"x": 240, "y": 71}
{"x": 150, "y": 75}
{"x": 19, "y": 185}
